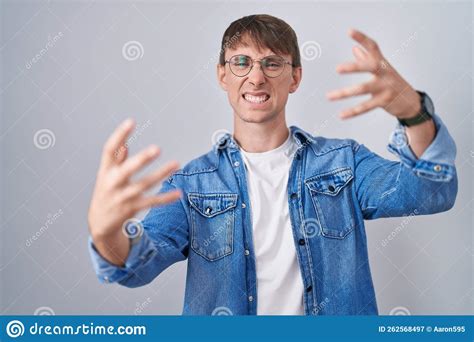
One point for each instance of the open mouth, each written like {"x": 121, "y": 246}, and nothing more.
{"x": 256, "y": 98}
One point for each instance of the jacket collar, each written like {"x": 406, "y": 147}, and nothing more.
{"x": 226, "y": 140}
{"x": 301, "y": 137}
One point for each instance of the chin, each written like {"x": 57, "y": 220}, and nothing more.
{"x": 257, "y": 116}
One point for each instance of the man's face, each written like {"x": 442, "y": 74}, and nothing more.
{"x": 255, "y": 97}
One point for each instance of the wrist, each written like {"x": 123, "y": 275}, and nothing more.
{"x": 99, "y": 237}
{"x": 425, "y": 111}
{"x": 414, "y": 109}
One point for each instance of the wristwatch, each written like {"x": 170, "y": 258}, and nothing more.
{"x": 425, "y": 114}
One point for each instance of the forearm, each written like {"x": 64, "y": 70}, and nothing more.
{"x": 421, "y": 136}
{"x": 114, "y": 249}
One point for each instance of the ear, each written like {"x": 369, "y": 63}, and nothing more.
{"x": 221, "y": 76}
{"x": 296, "y": 75}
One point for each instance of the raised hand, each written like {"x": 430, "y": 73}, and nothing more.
{"x": 116, "y": 198}
{"x": 388, "y": 89}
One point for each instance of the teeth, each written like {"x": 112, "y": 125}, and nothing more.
{"x": 256, "y": 99}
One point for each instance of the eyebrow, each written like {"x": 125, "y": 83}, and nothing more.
{"x": 243, "y": 54}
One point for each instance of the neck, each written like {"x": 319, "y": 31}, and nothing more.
{"x": 262, "y": 136}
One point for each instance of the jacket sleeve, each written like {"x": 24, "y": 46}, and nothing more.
{"x": 410, "y": 186}
{"x": 164, "y": 242}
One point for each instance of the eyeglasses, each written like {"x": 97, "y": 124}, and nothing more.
{"x": 272, "y": 66}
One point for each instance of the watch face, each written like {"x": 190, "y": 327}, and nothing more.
{"x": 428, "y": 104}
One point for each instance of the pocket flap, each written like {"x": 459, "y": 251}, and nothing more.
{"x": 330, "y": 183}
{"x": 210, "y": 205}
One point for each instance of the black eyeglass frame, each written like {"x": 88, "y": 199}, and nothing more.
{"x": 284, "y": 61}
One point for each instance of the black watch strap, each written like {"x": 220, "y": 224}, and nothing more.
{"x": 423, "y": 115}
{"x": 420, "y": 118}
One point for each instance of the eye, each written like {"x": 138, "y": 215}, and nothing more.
{"x": 241, "y": 61}
{"x": 273, "y": 63}
{"x": 241, "y": 64}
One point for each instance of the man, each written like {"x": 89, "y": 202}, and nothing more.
{"x": 272, "y": 219}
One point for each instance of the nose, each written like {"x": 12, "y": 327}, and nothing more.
{"x": 256, "y": 75}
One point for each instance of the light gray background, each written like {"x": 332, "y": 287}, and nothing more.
{"x": 82, "y": 87}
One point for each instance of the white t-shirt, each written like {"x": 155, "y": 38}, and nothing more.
{"x": 279, "y": 282}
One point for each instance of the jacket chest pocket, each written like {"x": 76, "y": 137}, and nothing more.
{"x": 212, "y": 224}
{"x": 331, "y": 196}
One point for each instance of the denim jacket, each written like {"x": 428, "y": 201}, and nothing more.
{"x": 333, "y": 186}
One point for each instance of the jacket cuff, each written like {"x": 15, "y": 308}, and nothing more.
{"x": 139, "y": 254}
{"x": 436, "y": 162}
